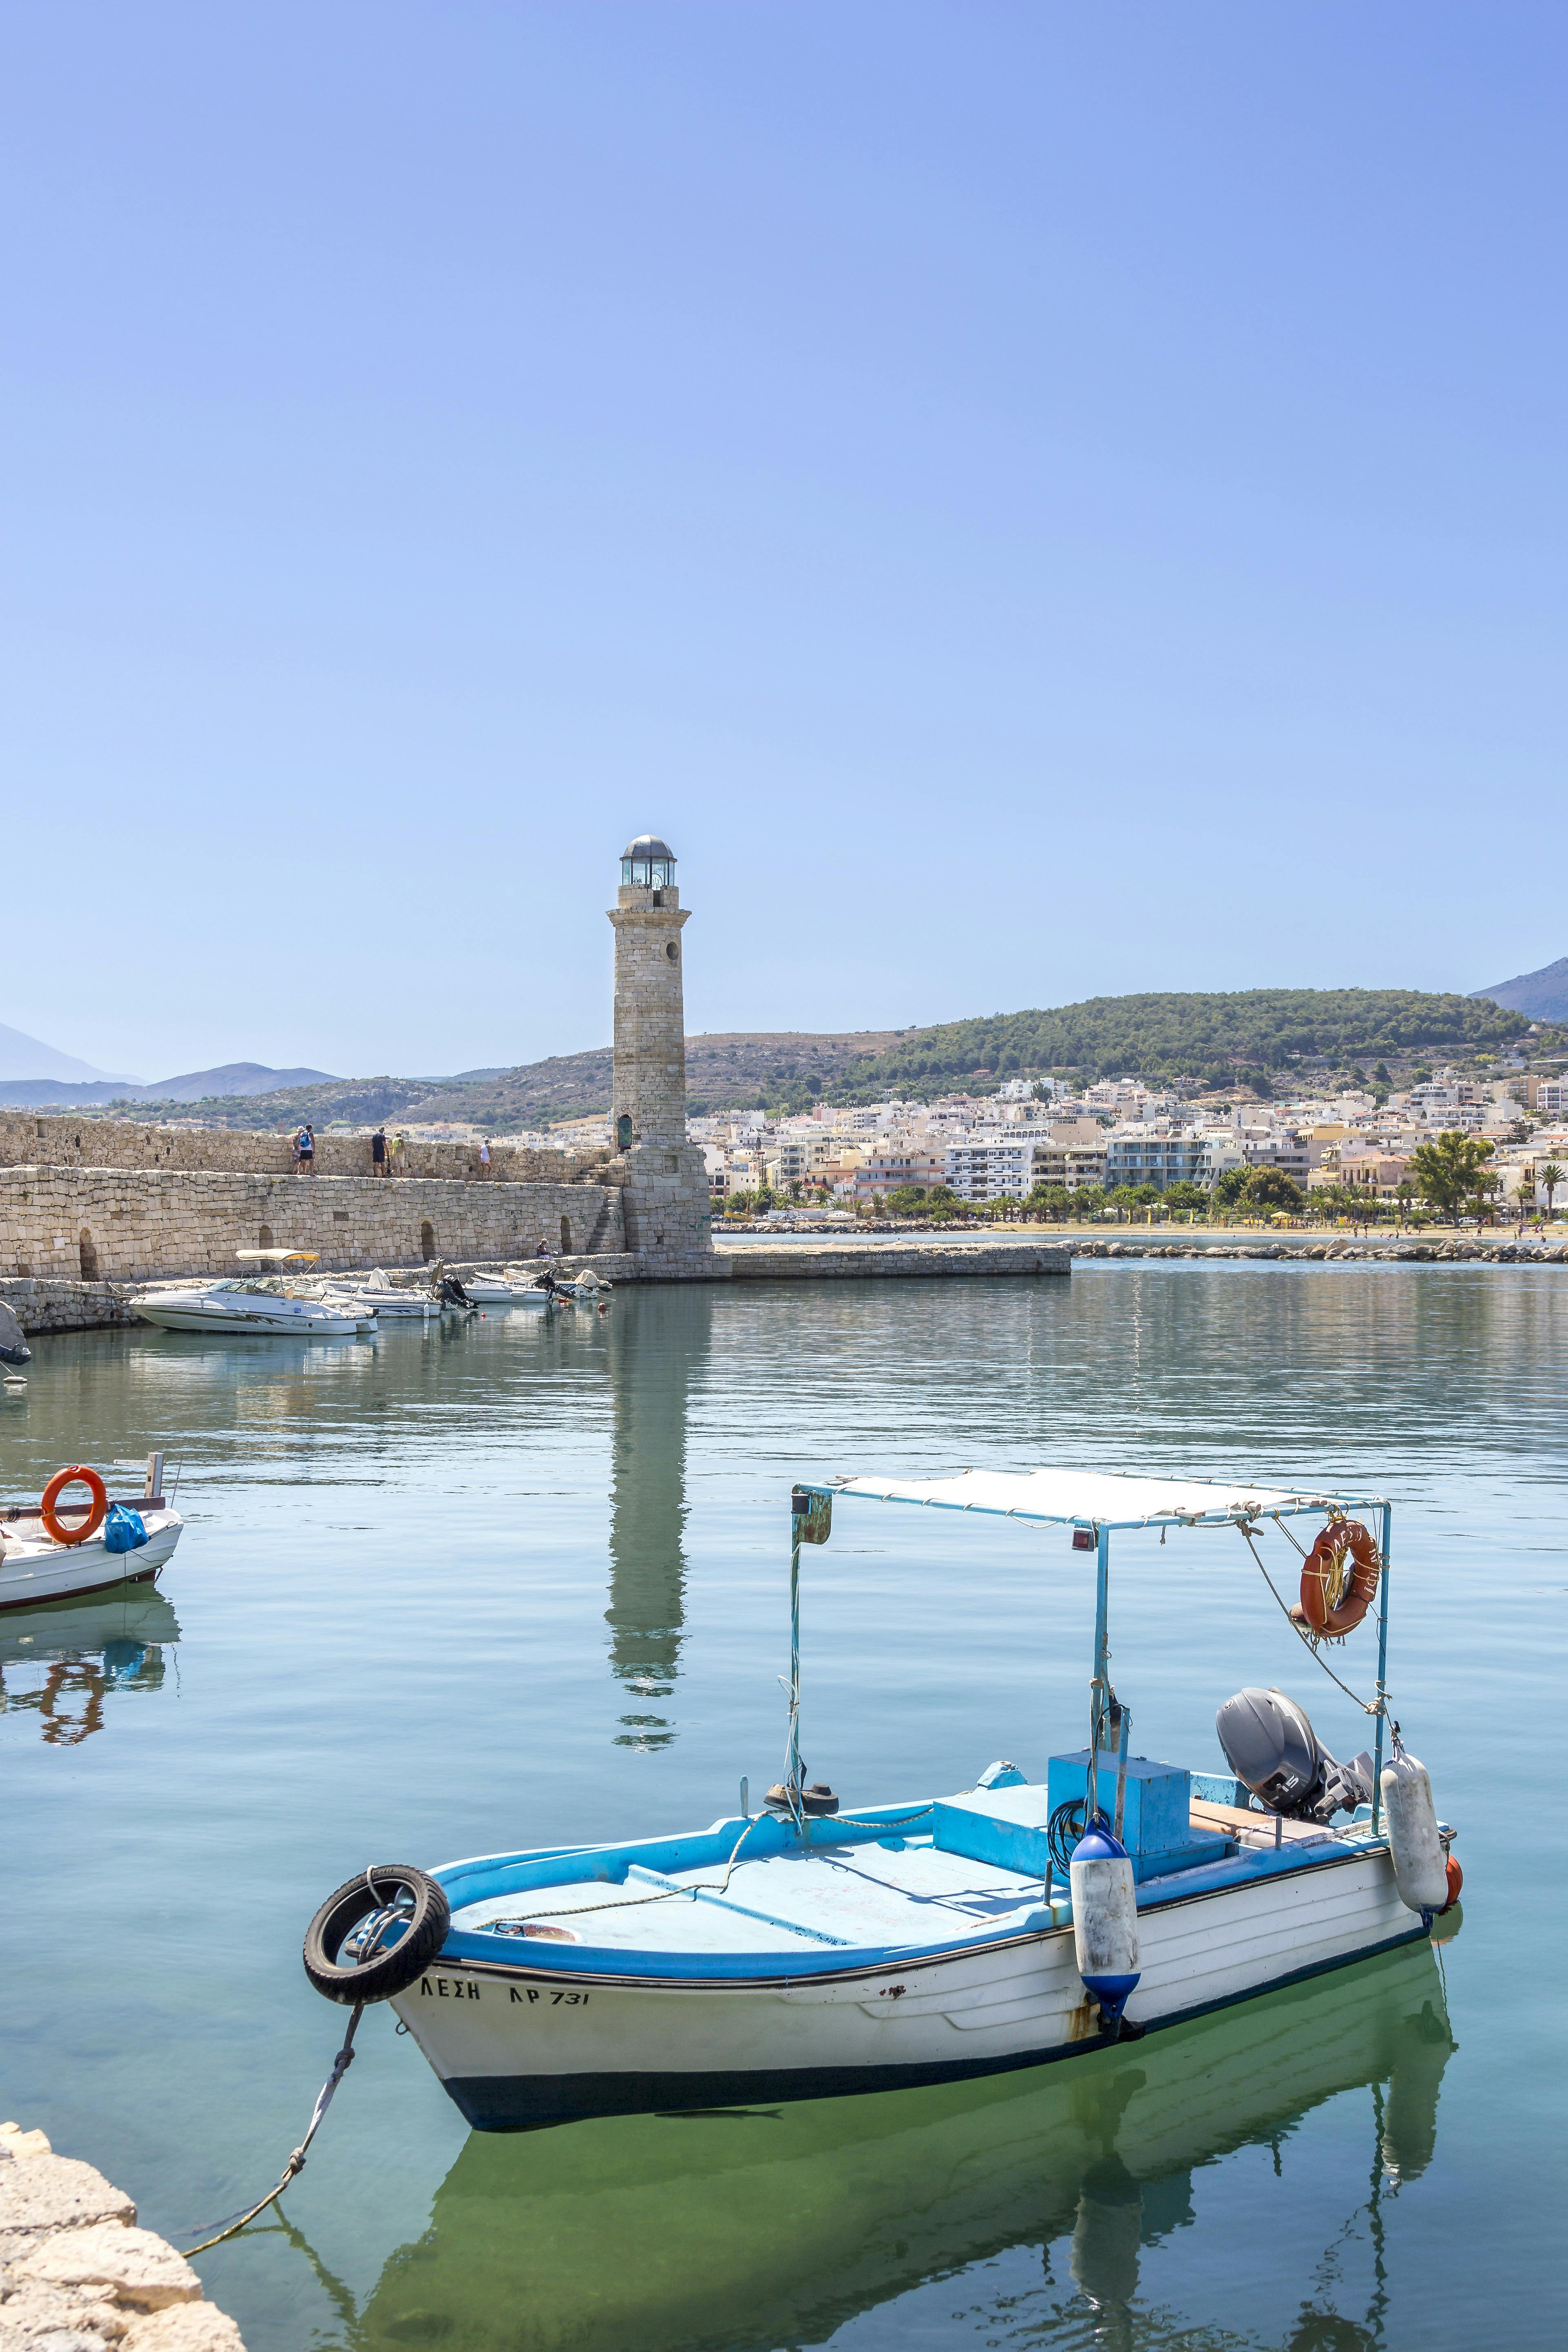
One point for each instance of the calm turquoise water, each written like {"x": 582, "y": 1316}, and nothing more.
{"x": 515, "y": 1581}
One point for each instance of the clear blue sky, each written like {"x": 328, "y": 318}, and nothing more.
{"x": 1031, "y": 499}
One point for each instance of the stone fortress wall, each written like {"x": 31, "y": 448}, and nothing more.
{"x": 141, "y": 1223}
{"x": 28, "y": 1138}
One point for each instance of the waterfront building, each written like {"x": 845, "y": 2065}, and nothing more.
{"x": 889, "y": 1166}
{"x": 1137, "y": 1154}
{"x": 1377, "y": 1174}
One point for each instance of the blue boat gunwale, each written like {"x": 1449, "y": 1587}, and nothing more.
{"x": 546, "y": 1867}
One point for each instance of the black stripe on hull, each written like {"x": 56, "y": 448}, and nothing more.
{"x": 112, "y": 1585}
{"x": 502, "y": 2103}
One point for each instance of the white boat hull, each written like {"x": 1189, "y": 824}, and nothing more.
{"x": 34, "y": 1570}
{"x": 252, "y": 1320}
{"x": 520, "y": 2045}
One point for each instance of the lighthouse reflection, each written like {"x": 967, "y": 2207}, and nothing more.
{"x": 61, "y": 1662}
{"x": 1039, "y": 2202}
{"x": 655, "y": 1337}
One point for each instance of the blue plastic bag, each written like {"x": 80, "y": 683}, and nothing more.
{"x": 123, "y": 1530}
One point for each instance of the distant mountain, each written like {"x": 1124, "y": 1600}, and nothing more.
{"x": 230, "y": 1081}
{"x": 1540, "y": 995}
{"x": 22, "y": 1057}
{"x": 229, "y": 1078}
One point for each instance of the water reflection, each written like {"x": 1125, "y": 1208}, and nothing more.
{"x": 655, "y": 1345}
{"x": 61, "y": 1662}
{"x": 743, "y": 2231}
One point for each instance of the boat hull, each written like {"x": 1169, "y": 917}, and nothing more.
{"x": 31, "y": 1573}
{"x": 518, "y": 2046}
{"x": 234, "y": 1324}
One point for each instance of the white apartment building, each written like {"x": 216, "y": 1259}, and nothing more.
{"x": 991, "y": 1167}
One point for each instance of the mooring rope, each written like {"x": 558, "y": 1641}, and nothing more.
{"x": 1306, "y": 1640}
{"x": 296, "y": 2163}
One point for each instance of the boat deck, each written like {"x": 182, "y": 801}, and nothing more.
{"x": 893, "y": 1894}
{"x": 743, "y": 1898}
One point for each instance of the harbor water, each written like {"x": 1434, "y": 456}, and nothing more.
{"x": 523, "y": 1580}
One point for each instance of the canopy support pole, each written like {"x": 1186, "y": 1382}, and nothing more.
{"x": 1101, "y": 1684}
{"x": 1382, "y": 1670}
{"x": 791, "y": 1778}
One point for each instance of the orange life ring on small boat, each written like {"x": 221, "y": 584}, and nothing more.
{"x": 1339, "y": 1577}
{"x": 77, "y": 1474}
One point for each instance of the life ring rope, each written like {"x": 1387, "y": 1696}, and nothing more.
{"x": 77, "y": 1474}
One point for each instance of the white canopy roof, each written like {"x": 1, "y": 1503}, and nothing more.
{"x": 1095, "y": 1498}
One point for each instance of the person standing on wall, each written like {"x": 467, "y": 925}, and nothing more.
{"x": 485, "y": 1157}
{"x": 399, "y": 1146}
{"x": 307, "y": 1150}
{"x": 378, "y": 1152}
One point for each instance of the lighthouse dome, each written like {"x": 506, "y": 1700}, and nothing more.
{"x": 648, "y": 863}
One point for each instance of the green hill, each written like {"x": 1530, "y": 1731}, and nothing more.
{"x": 1219, "y": 1037}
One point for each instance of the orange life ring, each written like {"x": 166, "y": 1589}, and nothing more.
{"x": 77, "y": 1473}
{"x": 1332, "y": 1600}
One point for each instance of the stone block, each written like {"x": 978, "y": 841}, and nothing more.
{"x": 142, "y": 2270}
{"x": 185, "y": 2328}
{"x": 43, "y": 2195}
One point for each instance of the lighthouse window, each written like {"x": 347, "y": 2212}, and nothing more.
{"x": 672, "y": 951}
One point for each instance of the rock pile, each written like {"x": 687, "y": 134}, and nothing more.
{"x": 78, "y": 2275}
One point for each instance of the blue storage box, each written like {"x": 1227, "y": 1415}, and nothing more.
{"x": 1156, "y": 1820}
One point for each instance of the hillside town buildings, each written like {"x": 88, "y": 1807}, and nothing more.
{"x": 1118, "y": 1133}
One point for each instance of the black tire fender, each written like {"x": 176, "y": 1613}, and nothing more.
{"x": 391, "y": 1893}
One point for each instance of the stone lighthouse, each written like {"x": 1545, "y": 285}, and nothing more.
{"x": 666, "y": 1197}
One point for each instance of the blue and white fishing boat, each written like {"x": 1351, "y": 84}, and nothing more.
{"x": 802, "y": 1952}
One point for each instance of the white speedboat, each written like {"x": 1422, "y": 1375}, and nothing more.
{"x": 46, "y": 1556}
{"x": 389, "y": 1303}
{"x": 498, "y": 1290}
{"x": 804, "y": 1952}
{"x": 243, "y": 1309}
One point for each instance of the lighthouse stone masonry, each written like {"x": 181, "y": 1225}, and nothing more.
{"x": 665, "y": 1199}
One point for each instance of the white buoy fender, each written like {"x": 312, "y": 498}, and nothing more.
{"x": 1104, "y": 1919}
{"x": 1420, "y": 1866}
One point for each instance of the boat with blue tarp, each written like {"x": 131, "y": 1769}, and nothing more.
{"x": 805, "y": 1951}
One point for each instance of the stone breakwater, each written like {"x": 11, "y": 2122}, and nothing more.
{"x": 141, "y": 1224}
{"x": 78, "y": 2275}
{"x": 1392, "y": 1253}
{"x": 843, "y": 1261}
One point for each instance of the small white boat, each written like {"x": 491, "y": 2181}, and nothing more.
{"x": 249, "y": 1306}
{"x": 805, "y": 1953}
{"x": 500, "y": 1290}
{"x": 37, "y": 1566}
{"x": 244, "y": 1309}
{"x": 389, "y": 1303}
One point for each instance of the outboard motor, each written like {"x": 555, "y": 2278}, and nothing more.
{"x": 1270, "y": 1746}
{"x": 450, "y": 1292}
{"x": 13, "y": 1348}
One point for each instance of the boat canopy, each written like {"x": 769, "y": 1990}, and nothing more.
{"x": 1095, "y": 1499}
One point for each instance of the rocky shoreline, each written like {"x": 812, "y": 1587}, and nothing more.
{"x": 76, "y": 2272}
{"x": 1389, "y": 1253}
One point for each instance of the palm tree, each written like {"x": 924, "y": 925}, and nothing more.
{"x": 1549, "y": 1178}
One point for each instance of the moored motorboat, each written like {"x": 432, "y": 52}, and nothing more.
{"x": 54, "y": 1550}
{"x": 805, "y": 1951}
{"x": 243, "y": 1308}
